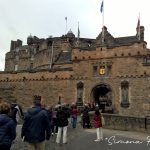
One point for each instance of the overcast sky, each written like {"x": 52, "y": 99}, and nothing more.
{"x": 42, "y": 18}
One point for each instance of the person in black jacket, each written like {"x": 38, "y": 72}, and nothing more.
{"x": 7, "y": 127}
{"x": 86, "y": 117}
{"x": 16, "y": 112}
{"x": 36, "y": 126}
{"x": 62, "y": 118}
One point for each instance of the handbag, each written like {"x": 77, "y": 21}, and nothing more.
{"x": 103, "y": 120}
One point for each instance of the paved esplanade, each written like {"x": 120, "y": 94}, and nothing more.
{"x": 83, "y": 139}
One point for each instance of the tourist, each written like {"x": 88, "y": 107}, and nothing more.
{"x": 36, "y": 126}
{"x": 86, "y": 117}
{"x": 74, "y": 114}
{"x": 98, "y": 125}
{"x": 49, "y": 110}
{"x": 62, "y": 116}
{"x": 55, "y": 119}
{"x": 16, "y": 113}
{"x": 7, "y": 127}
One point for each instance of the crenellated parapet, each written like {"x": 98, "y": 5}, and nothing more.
{"x": 40, "y": 76}
{"x": 40, "y": 53}
{"x": 15, "y": 44}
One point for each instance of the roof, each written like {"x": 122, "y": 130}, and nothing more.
{"x": 64, "y": 57}
{"x": 110, "y": 41}
{"x": 126, "y": 40}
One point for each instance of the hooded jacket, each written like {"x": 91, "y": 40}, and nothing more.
{"x": 7, "y": 130}
{"x": 36, "y": 126}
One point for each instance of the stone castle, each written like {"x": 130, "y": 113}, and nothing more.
{"x": 112, "y": 72}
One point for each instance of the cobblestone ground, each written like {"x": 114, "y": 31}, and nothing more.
{"x": 51, "y": 144}
{"x": 83, "y": 139}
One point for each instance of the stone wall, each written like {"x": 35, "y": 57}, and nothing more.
{"x": 50, "y": 85}
{"x": 120, "y": 122}
{"x": 126, "y": 63}
{"x": 22, "y": 86}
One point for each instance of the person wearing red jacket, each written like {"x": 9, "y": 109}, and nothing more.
{"x": 74, "y": 114}
{"x": 98, "y": 125}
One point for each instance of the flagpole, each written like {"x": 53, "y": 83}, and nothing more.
{"x": 103, "y": 14}
{"x": 78, "y": 31}
{"x": 102, "y": 11}
{"x": 103, "y": 22}
{"x": 78, "y": 35}
{"x": 66, "y": 26}
{"x": 139, "y": 28}
{"x": 51, "y": 58}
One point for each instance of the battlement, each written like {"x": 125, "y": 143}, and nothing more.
{"x": 15, "y": 44}
{"x": 41, "y": 53}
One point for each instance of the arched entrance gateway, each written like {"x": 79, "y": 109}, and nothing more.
{"x": 102, "y": 95}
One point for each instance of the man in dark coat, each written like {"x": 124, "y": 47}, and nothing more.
{"x": 36, "y": 127}
{"x": 7, "y": 127}
{"x": 86, "y": 117}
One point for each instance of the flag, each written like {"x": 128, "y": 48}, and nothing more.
{"x": 102, "y": 5}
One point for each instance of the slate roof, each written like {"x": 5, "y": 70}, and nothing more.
{"x": 126, "y": 40}
{"x": 64, "y": 57}
{"x": 110, "y": 41}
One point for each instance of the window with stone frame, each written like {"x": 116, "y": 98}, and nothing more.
{"x": 95, "y": 69}
{"x": 80, "y": 87}
{"x": 124, "y": 94}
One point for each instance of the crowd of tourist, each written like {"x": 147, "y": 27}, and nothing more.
{"x": 41, "y": 122}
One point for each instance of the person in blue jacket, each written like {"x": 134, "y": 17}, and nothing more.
{"x": 7, "y": 127}
{"x": 36, "y": 126}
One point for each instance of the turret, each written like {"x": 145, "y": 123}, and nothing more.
{"x": 15, "y": 44}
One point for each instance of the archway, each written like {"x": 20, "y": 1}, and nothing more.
{"x": 102, "y": 95}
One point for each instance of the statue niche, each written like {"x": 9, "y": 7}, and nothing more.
{"x": 125, "y": 94}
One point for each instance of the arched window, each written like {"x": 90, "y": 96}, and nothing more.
{"x": 125, "y": 94}
{"x": 80, "y": 87}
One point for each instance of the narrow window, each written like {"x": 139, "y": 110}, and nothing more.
{"x": 125, "y": 94}
{"x": 95, "y": 69}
